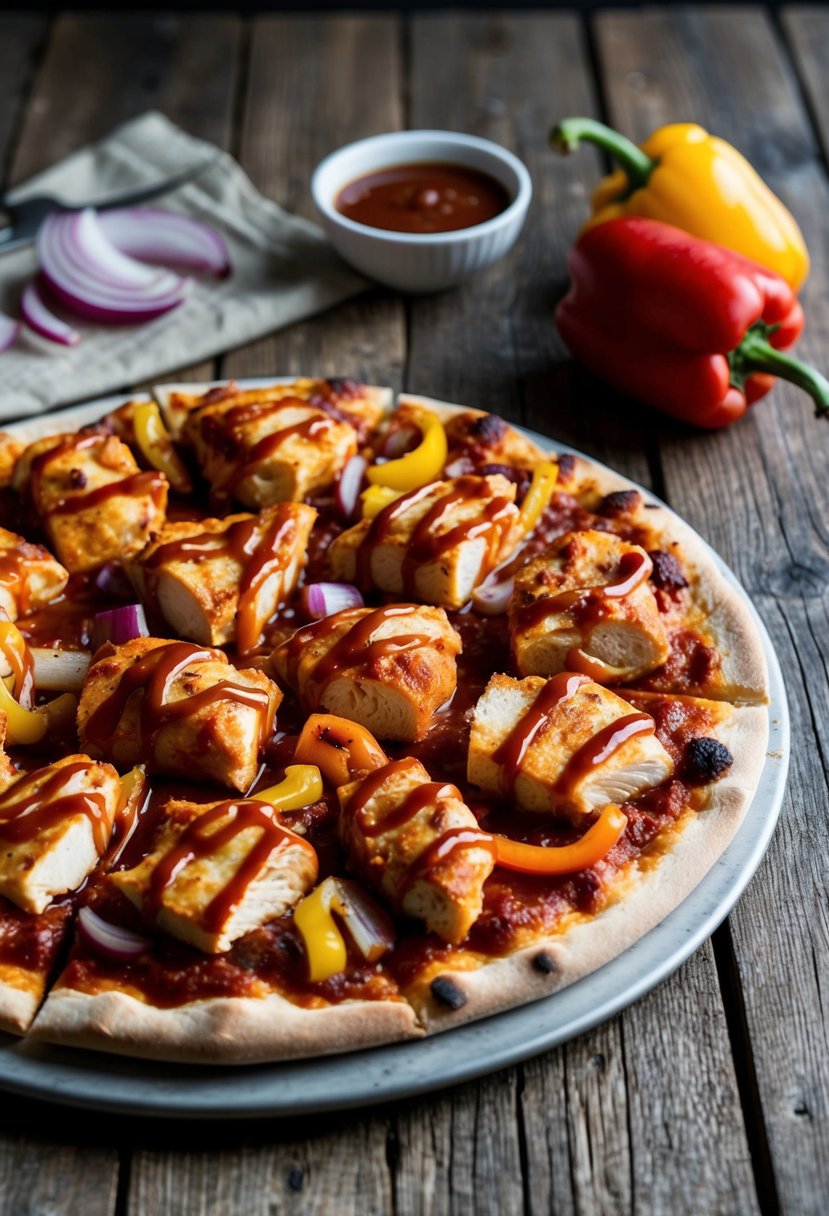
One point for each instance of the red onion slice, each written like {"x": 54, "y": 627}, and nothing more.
{"x": 370, "y": 928}
{"x": 324, "y": 599}
{"x": 38, "y": 317}
{"x": 492, "y": 599}
{"x": 153, "y": 235}
{"x": 9, "y": 329}
{"x": 120, "y": 625}
{"x": 350, "y": 484}
{"x": 111, "y": 940}
{"x": 400, "y": 441}
{"x": 84, "y": 271}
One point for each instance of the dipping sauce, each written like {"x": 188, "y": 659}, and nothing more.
{"x": 424, "y": 197}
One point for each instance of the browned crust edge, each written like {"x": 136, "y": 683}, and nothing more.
{"x": 224, "y": 1030}
{"x": 17, "y": 1008}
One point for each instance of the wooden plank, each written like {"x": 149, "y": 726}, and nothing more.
{"x": 492, "y": 342}
{"x": 727, "y": 70}
{"x": 21, "y": 40}
{"x": 592, "y": 1133}
{"x": 313, "y": 85}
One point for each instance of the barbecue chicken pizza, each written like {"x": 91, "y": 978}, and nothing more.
{"x": 328, "y": 724}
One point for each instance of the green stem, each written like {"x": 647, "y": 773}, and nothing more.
{"x": 756, "y": 354}
{"x": 637, "y": 166}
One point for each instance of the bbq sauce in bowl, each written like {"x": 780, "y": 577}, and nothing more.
{"x": 423, "y": 198}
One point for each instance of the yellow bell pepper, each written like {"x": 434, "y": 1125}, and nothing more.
{"x": 377, "y": 498}
{"x": 156, "y": 445}
{"x": 683, "y": 176}
{"x": 324, "y": 944}
{"x": 537, "y": 498}
{"x": 22, "y": 725}
{"x": 15, "y": 649}
{"x": 301, "y": 786}
{"x": 418, "y": 467}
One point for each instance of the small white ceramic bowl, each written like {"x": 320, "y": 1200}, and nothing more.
{"x": 419, "y": 262}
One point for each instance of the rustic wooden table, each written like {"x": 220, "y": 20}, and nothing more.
{"x": 712, "y": 1095}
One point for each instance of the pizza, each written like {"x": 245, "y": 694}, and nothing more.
{"x": 331, "y": 721}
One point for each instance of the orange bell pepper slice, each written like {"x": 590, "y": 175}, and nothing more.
{"x": 595, "y": 844}
{"x": 340, "y": 749}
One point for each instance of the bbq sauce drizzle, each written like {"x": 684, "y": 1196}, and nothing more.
{"x": 353, "y": 649}
{"x": 225, "y": 434}
{"x": 426, "y": 543}
{"x": 207, "y": 835}
{"x": 151, "y": 483}
{"x": 587, "y": 603}
{"x": 430, "y": 794}
{"x": 593, "y": 752}
{"x": 153, "y": 674}
{"x": 261, "y": 554}
{"x": 33, "y": 805}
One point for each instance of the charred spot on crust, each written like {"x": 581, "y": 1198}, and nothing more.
{"x": 620, "y": 502}
{"x": 667, "y": 572}
{"x": 487, "y": 430}
{"x": 545, "y": 963}
{"x": 448, "y": 993}
{"x": 705, "y": 760}
{"x": 566, "y": 465}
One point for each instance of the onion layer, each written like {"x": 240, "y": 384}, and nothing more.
{"x": 324, "y": 599}
{"x": 120, "y": 625}
{"x": 110, "y": 940}
{"x": 44, "y": 322}
{"x": 349, "y": 485}
{"x": 152, "y": 235}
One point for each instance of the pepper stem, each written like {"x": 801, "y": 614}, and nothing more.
{"x": 756, "y": 354}
{"x": 637, "y": 165}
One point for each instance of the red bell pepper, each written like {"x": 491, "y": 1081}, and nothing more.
{"x": 689, "y": 327}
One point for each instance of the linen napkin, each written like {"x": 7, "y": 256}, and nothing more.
{"x": 283, "y": 270}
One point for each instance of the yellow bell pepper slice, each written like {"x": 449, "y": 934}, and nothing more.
{"x": 22, "y": 725}
{"x": 156, "y": 445}
{"x": 418, "y": 467}
{"x": 19, "y": 657}
{"x": 595, "y": 844}
{"x": 324, "y": 944}
{"x": 376, "y": 498}
{"x": 301, "y": 787}
{"x": 537, "y": 498}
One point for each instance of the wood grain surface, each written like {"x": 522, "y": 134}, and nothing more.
{"x": 711, "y": 1094}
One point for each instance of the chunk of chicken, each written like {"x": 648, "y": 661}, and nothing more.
{"x": 10, "y": 451}
{"x": 564, "y": 746}
{"x": 29, "y": 575}
{"x": 220, "y": 580}
{"x": 179, "y": 709}
{"x": 218, "y": 871}
{"x": 55, "y": 824}
{"x": 95, "y": 504}
{"x": 387, "y": 668}
{"x": 586, "y": 604}
{"x": 363, "y": 405}
{"x": 418, "y": 843}
{"x": 435, "y": 544}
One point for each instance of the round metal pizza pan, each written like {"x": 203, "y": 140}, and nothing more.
{"x": 139, "y": 1087}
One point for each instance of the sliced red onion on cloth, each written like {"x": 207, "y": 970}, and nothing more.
{"x": 9, "y": 329}
{"x": 120, "y": 625}
{"x": 153, "y": 235}
{"x": 349, "y": 485}
{"x": 44, "y": 322}
{"x": 109, "y": 939}
{"x": 324, "y": 599}
{"x": 83, "y": 270}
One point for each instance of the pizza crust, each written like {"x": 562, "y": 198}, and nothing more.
{"x": 221, "y": 1030}
{"x": 18, "y": 1005}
